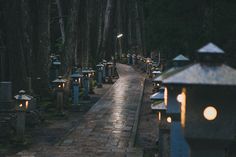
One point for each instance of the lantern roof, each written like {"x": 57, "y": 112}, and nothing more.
{"x": 180, "y": 58}
{"x": 167, "y": 74}
{"x": 157, "y": 96}
{"x": 99, "y": 65}
{"x": 76, "y": 75}
{"x": 203, "y": 74}
{"x": 23, "y": 96}
{"x": 56, "y": 62}
{"x": 158, "y": 107}
{"x": 211, "y": 48}
{"x": 109, "y": 63}
{"x": 59, "y": 80}
{"x": 156, "y": 72}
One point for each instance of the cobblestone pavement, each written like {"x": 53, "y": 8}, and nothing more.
{"x": 107, "y": 128}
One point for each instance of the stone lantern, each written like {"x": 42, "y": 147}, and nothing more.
{"x": 21, "y": 108}
{"x": 60, "y": 85}
{"x": 178, "y": 63}
{"x": 104, "y": 72}
{"x": 134, "y": 58}
{"x": 76, "y": 78}
{"x": 129, "y": 58}
{"x": 206, "y": 92}
{"x": 55, "y": 65}
{"x": 109, "y": 66}
{"x": 99, "y": 74}
{"x": 164, "y": 121}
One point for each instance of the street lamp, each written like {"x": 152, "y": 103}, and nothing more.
{"x": 119, "y": 36}
{"x": 207, "y": 90}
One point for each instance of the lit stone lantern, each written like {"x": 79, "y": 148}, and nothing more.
{"x": 129, "y": 59}
{"x": 55, "y": 65}
{"x": 134, "y": 58}
{"x": 178, "y": 63}
{"x": 104, "y": 72}
{"x": 148, "y": 66}
{"x": 86, "y": 83}
{"x": 21, "y": 108}
{"x": 109, "y": 66}
{"x": 206, "y": 92}
{"x": 76, "y": 78}
{"x": 164, "y": 121}
{"x": 99, "y": 75}
{"x": 60, "y": 85}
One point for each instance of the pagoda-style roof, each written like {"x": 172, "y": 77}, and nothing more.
{"x": 59, "y": 80}
{"x": 180, "y": 58}
{"x": 204, "y": 74}
{"x": 157, "y": 96}
{"x": 211, "y": 48}
{"x": 167, "y": 74}
{"x": 158, "y": 107}
{"x": 76, "y": 75}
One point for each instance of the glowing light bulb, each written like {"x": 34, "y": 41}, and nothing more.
{"x": 179, "y": 98}
{"x": 210, "y": 113}
{"x": 20, "y": 105}
{"x": 169, "y": 120}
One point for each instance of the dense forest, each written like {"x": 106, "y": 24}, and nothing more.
{"x": 83, "y": 32}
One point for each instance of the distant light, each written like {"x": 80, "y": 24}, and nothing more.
{"x": 119, "y": 35}
{"x": 210, "y": 113}
{"x": 21, "y": 105}
{"x": 169, "y": 120}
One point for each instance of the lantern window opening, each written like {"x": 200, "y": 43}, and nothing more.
{"x": 210, "y": 113}
{"x": 165, "y": 96}
{"x": 183, "y": 107}
{"x": 168, "y": 119}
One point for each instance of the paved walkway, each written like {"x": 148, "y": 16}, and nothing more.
{"x": 107, "y": 129}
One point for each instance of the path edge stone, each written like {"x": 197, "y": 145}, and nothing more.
{"x": 136, "y": 122}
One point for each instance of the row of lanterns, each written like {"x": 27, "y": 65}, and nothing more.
{"x": 80, "y": 78}
{"x": 196, "y": 103}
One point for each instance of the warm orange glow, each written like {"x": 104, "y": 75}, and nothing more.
{"x": 165, "y": 96}
{"x": 63, "y": 85}
{"x": 159, "y": 116}
{"x": 21, "y": 105}
{"x": 210, "y": 113}
{"x": 169, "y": 120}
{"x": 26, "y": 104}
{"x": 183, "y": 107}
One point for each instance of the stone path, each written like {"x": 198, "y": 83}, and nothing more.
{"x": 108, "y": 129}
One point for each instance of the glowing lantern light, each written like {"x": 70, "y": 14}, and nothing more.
{"x": 210, "y": 113}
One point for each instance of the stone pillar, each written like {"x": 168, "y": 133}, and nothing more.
{"x": 20, "y": 124}
{"x": 99, "y": 84}
{"x": 86, "y": 88}
{"x": 60, "y": 100}
{"x": 178, "y": 144}
{"x": 75, "y": 94}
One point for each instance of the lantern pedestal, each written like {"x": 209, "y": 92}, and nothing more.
{"x": 60, "y": 101}
{"x": 75, "y": 94}
{"x": 20, "y": 125}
